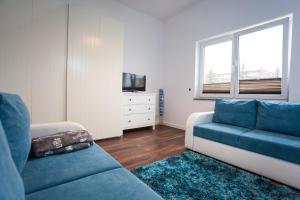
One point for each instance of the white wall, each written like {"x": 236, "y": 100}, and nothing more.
{"x": 33, "y": 50}
{"x": 209, "y": 18}
{"x": 143, "y": 42}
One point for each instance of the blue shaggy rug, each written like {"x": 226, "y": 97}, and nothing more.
{"x": 194, "y": 176}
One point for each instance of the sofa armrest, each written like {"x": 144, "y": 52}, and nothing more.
{"x": 38, "y": 130}
{"x": 195, "y": 118}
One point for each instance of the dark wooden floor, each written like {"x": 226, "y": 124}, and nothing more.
{"x": 143, "y": 146}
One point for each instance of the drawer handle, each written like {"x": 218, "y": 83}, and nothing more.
{"x": 149, "y": 99}
{"x": 129, "y": 109}
{"x": 129, "y": 99}
{"x": 129, "y": 121}
{"x": 149, "y": 108}
{"x": 148, "y": 119}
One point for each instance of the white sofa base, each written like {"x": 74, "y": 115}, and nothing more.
{"x": 276, "y": 169}
{"x": 279, "y": 170}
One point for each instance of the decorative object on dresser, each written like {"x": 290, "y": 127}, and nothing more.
{"x": 161, "y": 102}
{"x": 138, "y": 110}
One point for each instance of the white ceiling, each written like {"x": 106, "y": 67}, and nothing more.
{"x": 161, "y": 9}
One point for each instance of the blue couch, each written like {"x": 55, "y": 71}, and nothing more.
{"x": 259, "y": 136}
{"x": 90, "y": 174}
{"x": 267, "y": 128}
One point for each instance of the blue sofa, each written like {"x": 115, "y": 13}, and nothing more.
{"x": 86, "y": 174}
{"x": 272, "y": 129}
{"x": 260, "y": 136}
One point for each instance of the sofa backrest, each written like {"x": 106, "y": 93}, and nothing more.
{"x": 280, "y": 117}
{"x": 16, "y": 124}
{"x": 11, "y": 185}
{"x": 236, "y": 112}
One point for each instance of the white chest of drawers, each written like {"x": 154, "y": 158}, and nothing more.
{"x": 138, "y": 110}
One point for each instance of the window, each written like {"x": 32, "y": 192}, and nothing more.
{"x": 217, "y": 72}
{"x": 249, "y": 63}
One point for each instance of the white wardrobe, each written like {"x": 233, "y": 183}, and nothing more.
{"x": 65, "y": 61}
{"x": 33, "y": 43}
{"x": 94, "y": 72}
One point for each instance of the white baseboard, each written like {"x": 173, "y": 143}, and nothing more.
{"x": 182, "y": 127}
{"x": 157, "y": 121}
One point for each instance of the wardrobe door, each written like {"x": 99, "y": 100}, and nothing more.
{"x": 16, "y": 47}
{"x": 49, "y": 57}
{"x": 94, "y": 72}
{"x": 33, "y": 43}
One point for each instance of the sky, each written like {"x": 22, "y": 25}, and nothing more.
{"x": 258, "y": 50}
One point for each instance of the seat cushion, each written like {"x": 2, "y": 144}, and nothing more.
{"x": 11, "y": 185}
{"x": 236, "y": 112}
{"x": 110, "y": 185}
{"x": 279, "y": 117}
{"x": 49, "y": 171}
{"x": 222, "y": 133}
{"x": 272, "y": 144}
{"x": 16, "y": 124}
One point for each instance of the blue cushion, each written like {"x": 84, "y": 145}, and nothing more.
{"x": 236, "y": 112}
{"x": 272, "y": 144}
{"x": 11, "y": 185}
{"x": 49, "y": 171}
{"x": 222, "y": 133}
{"x": 110, "y": 185}
{"x": 16, "y": 124}
{"x": 279, "y": 117}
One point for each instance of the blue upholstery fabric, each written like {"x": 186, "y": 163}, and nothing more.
{"x": 222, "y": 133}
{"x": 11, "y": 185}
{"x": 272, "y": 144}
{"x": 110, "y": 185}
{"x": 49, "y": 171}
{"x": 279, "y": 117}
{"x": 16, "y": 124}
{"x": 236, "y": 112}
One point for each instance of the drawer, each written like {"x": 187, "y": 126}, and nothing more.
{"x": 138, "y": 109}
{"x": 138, "y": 120}
{"x": 131, "y": 100}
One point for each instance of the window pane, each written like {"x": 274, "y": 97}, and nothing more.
{"x": 261, "y": 61}
{"x": 217, "y": 68}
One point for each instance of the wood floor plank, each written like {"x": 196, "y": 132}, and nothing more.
{"x": 143, "y": 146}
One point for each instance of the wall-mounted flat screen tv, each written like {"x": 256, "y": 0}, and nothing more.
{"x": 133, "y": 82}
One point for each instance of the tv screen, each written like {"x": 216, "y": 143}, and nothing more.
{"x": 133, "y": 82}
{"x": 139, "y": 83}
{"x": 127, "y": 82}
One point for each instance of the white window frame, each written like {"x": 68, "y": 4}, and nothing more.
{"x": 286, "y": 21}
